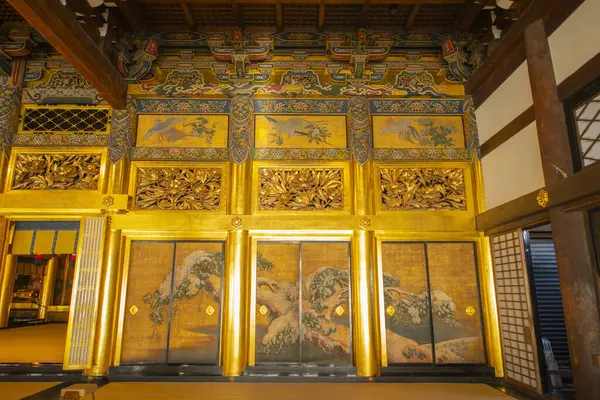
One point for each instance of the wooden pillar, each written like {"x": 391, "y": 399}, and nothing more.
{"x": 7, "y": 283}
{"x": 576, "y": 265}
{"x": 48, "y": 287}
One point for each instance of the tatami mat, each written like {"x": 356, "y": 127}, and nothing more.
{"x": 18, "y": 390}
{"x": 297, "y": 391}
{"x": 33, "y": 344}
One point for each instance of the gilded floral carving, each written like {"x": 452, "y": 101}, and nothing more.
{"x": 435, "y": 189}
{"x": 178, "y": 189}
{"x": 56, "y": 172}
{"x": 301, "y": 189}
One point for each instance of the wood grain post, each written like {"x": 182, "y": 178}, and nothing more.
{"x": 576, "y": 265}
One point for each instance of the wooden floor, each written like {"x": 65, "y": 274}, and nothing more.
{"x": 18, "y": 390}
{"x": 297, "y": 391}
{"x": 33, "y": 344}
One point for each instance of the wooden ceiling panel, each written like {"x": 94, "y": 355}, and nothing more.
{"x": 388, "y": 16}
{"x": 260, "y": 15}
{"x": 213, "y": 14}
{"x": 160, "y": 17}
{"x": 340, "y": 16}
{"x": 300, "y": 15}
{"x": 436, "y": 17}
{"x": 8, "y": 14}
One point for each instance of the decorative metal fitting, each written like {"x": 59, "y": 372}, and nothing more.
{"x": 543, "y": 198}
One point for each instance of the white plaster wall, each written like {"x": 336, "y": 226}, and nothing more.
{"x": 513, "y": 169}
{"x": 505, "y": 104}
{"x": 577, "y": 40}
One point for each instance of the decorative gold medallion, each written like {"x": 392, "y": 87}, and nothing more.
{"x": 470, "y": 311}
{"x": 365, "y": 222}
{"x": 210, "y": 310}
{"x": 108, "y": 201}
{"x": 133, "y": 310}
{"x": 390, "y": 311}
{"x": 339, "y": 310}
{"x": 263, "y": 310}
{"x": 236, "y": 222}
{"x": 543, "y": 198}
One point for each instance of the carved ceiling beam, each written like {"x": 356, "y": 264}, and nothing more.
{"x": 321, "y": 23}
{"x": 279, "y": 15}
{"x": 84, "y": 13}
{"x": 411, "y": 18}
{"x": 62, "y": 30}
{"x": 188, "y": 14}
{"x": 130, "y": 12}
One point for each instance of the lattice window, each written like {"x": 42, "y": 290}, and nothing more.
{"x": 514, "y": 307}
{"x": 65, "y": 120}
{"x": 587, "y": 117}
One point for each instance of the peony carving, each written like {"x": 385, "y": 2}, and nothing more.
{"x": 435, "y": 189}
{"x": 300, "y": 189}
{"x": 178, "y": 189}
{"x": 56, "y": 172}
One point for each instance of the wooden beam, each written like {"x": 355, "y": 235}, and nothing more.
{"x": 60, "y": 28}
{"x": 321, "y": 23}
{"x": 574, "y": 248}
{"x": 468, "y": 15}
{"x": 569, "y": 87}
{"x": 188, "y": 14}
{"x": 279, "y": 15}
{"x": 503, "y": 135}
{"x": 510, "y": 53}
{"x": 564, "y": 194}
{"x": 411, "y": 18}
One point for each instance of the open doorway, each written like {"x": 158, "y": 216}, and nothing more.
{"x": 39, "y": 310}
{"x": 549, "y": 318}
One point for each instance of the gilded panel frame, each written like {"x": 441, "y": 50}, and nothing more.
{"x": 127, "y": 238}
{"x": 315, "y": 165}
{"x": 225, "y": 181}
{"x": 468, "y": 181}
{"x": 102, "y": 151}
{"x": 279, "y": 237}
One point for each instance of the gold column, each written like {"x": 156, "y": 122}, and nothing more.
{"x": 490, "y": 310}
{"x": 105, "y": 325}
{"x": 234, "y": 333}
{"x": 8, "y": 266}
{"x": 48, "y": 287}
{"x": 235, "y": 304}
{"x": 364, "y": 330}
{"x": 6, "y": 288}
{"x": 118, "y": 173}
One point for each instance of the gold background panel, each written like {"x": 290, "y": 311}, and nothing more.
{"x": 194, "y": 332}
{"x": 300, "y": 131}
{"x": 182, "y": 131}
{"x": 143, "y": 340}
{"x": 418, "y": 131}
